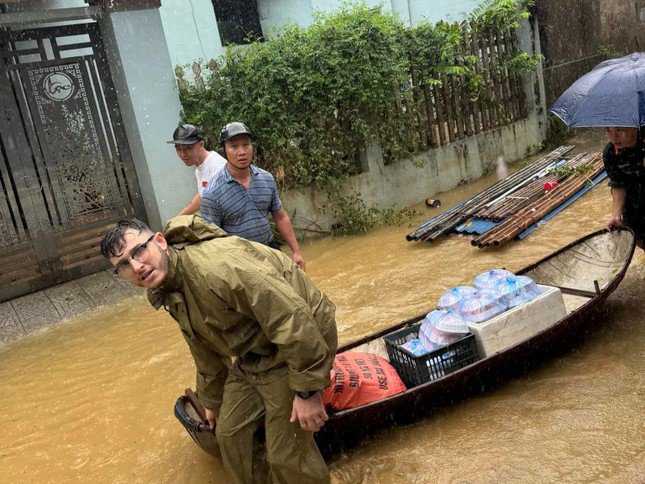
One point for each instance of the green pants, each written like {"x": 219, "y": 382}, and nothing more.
{"x": 290, "y": 455}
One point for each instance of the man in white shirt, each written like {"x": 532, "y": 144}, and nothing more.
{"x": 189, "y": 144}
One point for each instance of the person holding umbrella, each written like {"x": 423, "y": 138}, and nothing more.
{"x": 624, "y": 159}
{"x": 612, "y": 96}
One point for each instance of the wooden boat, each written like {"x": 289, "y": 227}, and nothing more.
{"x": 586, "y": 272}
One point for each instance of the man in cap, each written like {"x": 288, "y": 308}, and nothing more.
{"x": 189, "y": 145}
{"x": 240, "y": 198}
{"x": 233, "y": 297}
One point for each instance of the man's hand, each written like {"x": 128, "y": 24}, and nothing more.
{"x": 298, "y": 259}
{"x": 310, "y": 412}
{"x": 283, "y": 224}
{"x": 212, "y": 417}
{"x": 615, "y": 221}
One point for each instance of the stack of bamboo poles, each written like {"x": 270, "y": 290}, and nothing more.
{"x": 507, "y": 206}
{"x": 535, "y": 211}
{"x": 436, "y": 227}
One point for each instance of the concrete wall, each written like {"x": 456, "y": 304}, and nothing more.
{"x": 403, "y": 184}
{"x": 577, "y": 36}
{"x": 571, "y": 41}
{"x": 623, "y": 25}
{"x": 191, "y": 31}
{"x": 301, "y": 11}
{"x": 276, "y": 13}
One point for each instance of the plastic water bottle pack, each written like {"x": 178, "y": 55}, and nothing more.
{"x": 515, "y": 290}
{"x": 414, "y": 346}
{"x": 490, "y": 279}
{"x": 481, "y": 306}
{"x": 442, "y": 327}
{"x": 453, "y": 297}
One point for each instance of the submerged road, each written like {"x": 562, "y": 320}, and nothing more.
{"x": 91, "y": 400}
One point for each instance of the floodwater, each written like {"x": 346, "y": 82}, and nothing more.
{"x": 91, "y": 400}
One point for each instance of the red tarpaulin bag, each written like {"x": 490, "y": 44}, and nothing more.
{"x": 360, "y": 378}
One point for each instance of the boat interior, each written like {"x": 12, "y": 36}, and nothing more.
{"x": 580, "y": 272}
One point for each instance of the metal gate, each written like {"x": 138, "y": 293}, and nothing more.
{"x": 66, "y": 171}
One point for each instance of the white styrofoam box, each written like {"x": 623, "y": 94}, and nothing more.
{"x": 519, "y": 323}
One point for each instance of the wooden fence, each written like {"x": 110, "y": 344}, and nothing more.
{"x": 441, "y": 114}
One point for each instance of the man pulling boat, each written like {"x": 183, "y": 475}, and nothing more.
{"x": 234, "y": 297}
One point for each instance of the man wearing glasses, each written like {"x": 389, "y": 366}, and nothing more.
{"x": 189, "y": 145}
{"x": 234, "y": 297}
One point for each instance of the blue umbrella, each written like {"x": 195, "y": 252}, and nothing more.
{"x": 612, "y": 94}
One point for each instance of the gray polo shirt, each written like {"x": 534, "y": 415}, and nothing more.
{"x": 241, "y": 211}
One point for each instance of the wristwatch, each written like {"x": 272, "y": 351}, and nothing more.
{"x": 305, "y": 395}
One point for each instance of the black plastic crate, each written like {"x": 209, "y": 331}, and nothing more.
{"x": 415, "y": 370}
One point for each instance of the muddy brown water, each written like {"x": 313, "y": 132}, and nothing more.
{"x": 91, "y": 399}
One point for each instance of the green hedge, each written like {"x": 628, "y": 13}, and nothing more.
{"x": 315, "y": 95}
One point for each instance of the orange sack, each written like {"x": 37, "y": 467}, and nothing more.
{"x": 360, "y": 378}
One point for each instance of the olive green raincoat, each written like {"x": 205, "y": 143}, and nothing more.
{"x": 233, "y": 297}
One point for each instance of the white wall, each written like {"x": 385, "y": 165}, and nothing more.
{"x": 276, "y": 13}
{"x": 434, "y": 11}
{"x": 191, "y": 31}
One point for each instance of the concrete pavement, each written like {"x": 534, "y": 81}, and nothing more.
{"x": 41, "y": 309}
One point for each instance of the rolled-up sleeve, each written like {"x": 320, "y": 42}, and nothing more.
{"x": 285, "y": 318}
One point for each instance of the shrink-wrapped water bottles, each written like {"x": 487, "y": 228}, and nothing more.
{"x": 441, "y": 327}
{"x": 490, "y": 279}
{"x": 480, "y": 306}
{"x": 453, "y": 297}
{"x": 414, "y": 346}
{"x": 515, "y": 290}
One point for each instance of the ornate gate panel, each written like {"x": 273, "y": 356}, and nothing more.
{"x": 65, "y": 166}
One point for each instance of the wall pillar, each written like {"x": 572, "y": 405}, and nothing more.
{"x": 528, "y": 37}
{"x": 145, "y": 86}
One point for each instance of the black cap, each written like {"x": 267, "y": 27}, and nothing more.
{"x": 231, "y": 130}
{"x": 187, "y": 134}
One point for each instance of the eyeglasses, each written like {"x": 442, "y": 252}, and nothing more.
{"x": 140, "y": 254}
